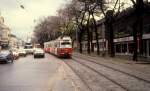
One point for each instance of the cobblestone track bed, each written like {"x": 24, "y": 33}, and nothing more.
{"x": 101, "y": 74}
{"x": 135, "y": 66}
{"x": 145, "y": 84}
{"x": 120, "y": 67}
{"x": 78, "y": 75}
{"x": 113, "y": 68}
{"x": 113, "y": 87}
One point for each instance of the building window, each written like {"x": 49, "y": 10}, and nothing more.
{"x": 118, "y": 48}
{"x": 146, "y": 29}
{"x": 124, "y": 48}
{"x": 95, "y": 45}
{"x": 131, "y": 47}
{"x": 144, "y": 47}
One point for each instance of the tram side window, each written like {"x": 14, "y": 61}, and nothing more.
{"x": 55, "y": 44}
{"x": 58, "y": 44}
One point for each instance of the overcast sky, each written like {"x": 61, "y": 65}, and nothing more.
{"x": 22, "y": 22}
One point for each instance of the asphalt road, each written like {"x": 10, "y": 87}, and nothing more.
{"x": 29, "y": 74}
{"x": 79, "y": 73}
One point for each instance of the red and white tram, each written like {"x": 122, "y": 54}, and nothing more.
{"x": 61, "y": 47}
{"x": 46, "y": 47}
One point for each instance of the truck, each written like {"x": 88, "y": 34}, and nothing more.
{"x": 29, "y": 48}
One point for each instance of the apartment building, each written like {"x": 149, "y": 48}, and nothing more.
{"x": 4, "y": 33}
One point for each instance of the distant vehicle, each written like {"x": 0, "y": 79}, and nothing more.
{"x": 37, "y": 46}
{"x": 15, "y": 53}
{"x": 6, "y": 56}
{"x": 29, "y": 48}
{"x": 38, "y": 52}
{"x": 62, "y": 47}
{"x": 22, "y": 52}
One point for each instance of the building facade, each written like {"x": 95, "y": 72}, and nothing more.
{"x": 123, "y": 34}
{"x": 4, "y": 34}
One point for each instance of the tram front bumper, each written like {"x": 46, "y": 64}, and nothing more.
{"x": 65, "y": 54}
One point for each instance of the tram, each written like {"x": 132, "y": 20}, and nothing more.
{"x": 46, "y": 47}
{"x": 61, "y": 47}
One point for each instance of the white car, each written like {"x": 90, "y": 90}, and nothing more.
{"x": 38, "y": 52}
{"x": 29, "y": 49}
{"x": 22, "y": 52}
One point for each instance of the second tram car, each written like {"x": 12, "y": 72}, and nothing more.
{"x": 62, "y": 47}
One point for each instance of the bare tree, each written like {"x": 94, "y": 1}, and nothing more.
{"x": 48, "y": 29}
{"x": 138, "y": 26}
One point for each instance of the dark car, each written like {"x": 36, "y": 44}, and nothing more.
{"x": 6, "y": 56}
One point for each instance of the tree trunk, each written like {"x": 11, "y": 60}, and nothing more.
{"x": 141, "y": 34}
{"x": 109, "y": 32}
{"x": 88, "y": 40}
{"x": 96, "y": 35}
{"x": 80, "y": 33}
{"x": 140, "y": 10}
{"x": 73, "y": 40}
{"x": 138, "y": 28}
{"x": 112, "y": 52}
{"x": 80, "y": 49}
{"x": 91, "y": 37}
{"x": 88, "y": 34}
{"x": 135, "y": 42}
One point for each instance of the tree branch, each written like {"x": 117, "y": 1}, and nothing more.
{"x": 115, "y": 5}
{"x": 134, "y": 3}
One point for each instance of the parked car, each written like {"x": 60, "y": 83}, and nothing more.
{"x": 22, "y": 52}
{"x": 38, "y": 52}
{"x": 6, "y": 56}
{"x": 15, "y": 53}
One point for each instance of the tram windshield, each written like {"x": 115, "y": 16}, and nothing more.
{"x": 65, "y": 43}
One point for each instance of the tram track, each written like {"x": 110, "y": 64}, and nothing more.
{"x": 97, "y": 72}
{"x": 114, "y": 69}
